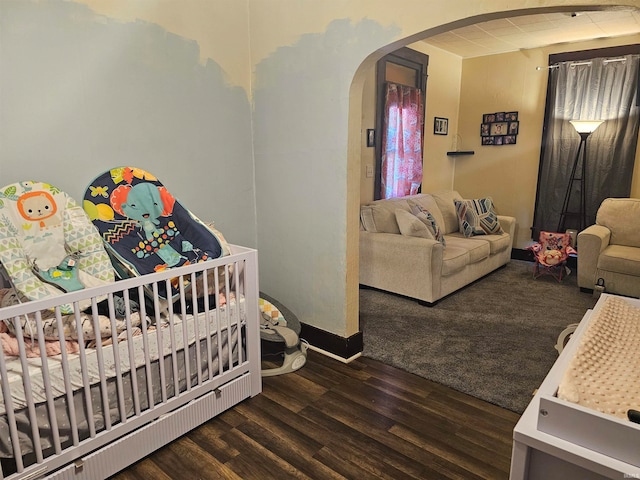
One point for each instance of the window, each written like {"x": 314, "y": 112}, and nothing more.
{"x": 401, "y": 78}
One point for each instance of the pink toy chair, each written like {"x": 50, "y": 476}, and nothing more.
{"x": 551, "y": 254}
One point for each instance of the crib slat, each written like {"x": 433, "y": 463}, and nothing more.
{"x": 236, "y": 286}
{"x": 85, "y": 375}
{"x": 66, "y": 374}
{"x": 227, "y": 311}
{"x": 8, "y": 404}
{"x": 218, "y": 321}
{"x": 185, "y": 334}
{"x": 172, "y": 334}
{"x": 145, "y": 345}
{"x": 207, "y": 317}
{"x": 132, "y": 358}
{"x": 100, "y": 357}
{"x": 26, "y": 382}
{"x": 53, "y": 421}
{"x": 160, "y": 341}
{"x": 196, "y": 316}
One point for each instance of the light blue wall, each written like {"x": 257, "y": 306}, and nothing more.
{"x": 301, "y": 125}
{"x": 82, "y": 93}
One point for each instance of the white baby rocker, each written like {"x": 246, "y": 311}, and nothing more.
{"x": 275, "y": 330}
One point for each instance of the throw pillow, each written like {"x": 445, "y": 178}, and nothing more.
{"x": 477, "y": 217}
{"x": 411, "y": 226}
{"x": 429, "y": 221}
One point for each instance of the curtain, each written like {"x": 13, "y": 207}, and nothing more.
{"x": 401, "y": 142}
{"x": 598, "y": 89}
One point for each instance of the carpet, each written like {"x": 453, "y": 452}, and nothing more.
{"x": 494, "y": 339}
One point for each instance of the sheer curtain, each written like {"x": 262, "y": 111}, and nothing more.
{"x": 598, "y": 89}
{"x": 402, "y": 142}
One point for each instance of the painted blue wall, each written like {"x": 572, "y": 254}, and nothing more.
{"x": 301, "y": 126}
{"x": 81, "y": 93}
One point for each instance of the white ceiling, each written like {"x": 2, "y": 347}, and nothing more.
{"x": 533, "y": 31}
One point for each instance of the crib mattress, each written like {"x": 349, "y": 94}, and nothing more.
{"x": 220, "y": 345}
{"x": 223, "y": 314}
{"x": 604, "y": 374}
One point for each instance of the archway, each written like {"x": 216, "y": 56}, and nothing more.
{"x": 357, "y": 130}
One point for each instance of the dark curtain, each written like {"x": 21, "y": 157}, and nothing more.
{"x": 598, "y": 89}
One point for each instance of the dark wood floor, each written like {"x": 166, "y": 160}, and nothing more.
{"x": 329, "y": 420}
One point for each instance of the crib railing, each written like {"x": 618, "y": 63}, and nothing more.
{"x": 128, "y": 359}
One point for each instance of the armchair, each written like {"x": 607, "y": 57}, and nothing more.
{"x": 609, "y": 251}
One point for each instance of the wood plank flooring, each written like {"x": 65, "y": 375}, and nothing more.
{"x": 364, "y": 420}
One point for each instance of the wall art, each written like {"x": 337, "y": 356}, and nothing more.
{"x": 440, "y": 126}
{"x": 500, "y": 128}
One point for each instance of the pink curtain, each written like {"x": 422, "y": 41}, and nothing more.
{"x": 402, "y": 142}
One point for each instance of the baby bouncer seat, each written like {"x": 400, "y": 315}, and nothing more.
{"x": 146, "y": 229}
{"x": 279, "y": 332}
{"x": 48, "y": 246}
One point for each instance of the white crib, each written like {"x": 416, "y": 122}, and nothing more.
{"x": 188, "y": 361}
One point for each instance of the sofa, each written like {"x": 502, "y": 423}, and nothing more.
{"x": 609, "y": 251}
{"x": 397, "y": 255}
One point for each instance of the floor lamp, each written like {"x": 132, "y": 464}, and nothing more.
{"x": 584, "y": 129}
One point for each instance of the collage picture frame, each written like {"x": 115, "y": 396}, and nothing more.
{"x": 499, "y": 128}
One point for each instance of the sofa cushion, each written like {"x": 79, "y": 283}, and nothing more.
{"x": 380, "y": 216}
{"x": 430, "y": 222}
{"x": 454, "y": 259}
{"x": 445, "y": 201}
{"x": 412, "y": 226}
{"x": 477, "y": 217}
{"x": 497, "y": 243}
{"x": 621, "y": 216}
{"x": 427, "y": 202}
{"x": 478, "y": 249}
{"x": 620, "y": 259}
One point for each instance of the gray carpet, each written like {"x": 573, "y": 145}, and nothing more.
{"x": 493, "y": 340}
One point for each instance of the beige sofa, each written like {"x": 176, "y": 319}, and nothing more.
{"x": 419, "y": 267}
{"x": 610, "y": 249}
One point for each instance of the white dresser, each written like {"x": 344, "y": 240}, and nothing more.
{"x": 555, "y": 439}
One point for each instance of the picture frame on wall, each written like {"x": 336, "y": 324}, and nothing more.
{"x": 440, "y": 126}
{"x": 499, "y": 128}
{"x": 371, "y": 137}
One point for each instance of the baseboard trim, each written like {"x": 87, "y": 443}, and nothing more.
{"x": 346, "y": 348}
{"x": 335, "y": 357}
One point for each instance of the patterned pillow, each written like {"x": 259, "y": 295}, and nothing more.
{"x": 425, "y": 217}
{"x": 477, "y": 217}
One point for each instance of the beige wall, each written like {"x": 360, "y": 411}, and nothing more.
{"x": 509, "y": 82}
{"x": 368, "y": 158}
{"x": 442, "y": 100}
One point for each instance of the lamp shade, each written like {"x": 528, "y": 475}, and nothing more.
{"x": 585, "y": 126}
